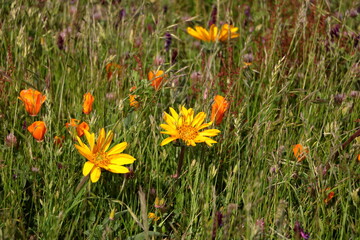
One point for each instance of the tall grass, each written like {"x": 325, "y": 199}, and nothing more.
{"x": 302, "y": 87}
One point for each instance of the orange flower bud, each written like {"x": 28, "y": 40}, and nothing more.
{"x": 38, "y": 130}
{"x": 133, "y": 102}
{"x": 33, "y": 100}
{"x": 81, "y": 127}
{"x": 329, "y": 196}
{"x": 74, "y": 123}
{"x": 58, "y": 140}
{"x": 219, "y": 107}
{"x": 300, "y": 152}
{"x": 111, "y": 68}
{"x": 88, "y": 101}
{"x": 156, "y": 78}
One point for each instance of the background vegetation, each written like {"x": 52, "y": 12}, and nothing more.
{"x": 302, "y": 87}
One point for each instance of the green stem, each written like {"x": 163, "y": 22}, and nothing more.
{"x": 180, "y": 162}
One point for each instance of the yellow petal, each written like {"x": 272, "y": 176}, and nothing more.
{"x": 168, "y": 140}
{"x": 95, "y": 174}
{"x": 117, "y": 148}
{"x": 194, "y": 33}
{"x": 204, "y": 126}
{"x": 117, "y": 169}
{"x": 203, "y": 32}
{"x": 107, "y": 141}
{"x": 213, "y": 33}
{"x": 90, "y": 138}
{"x": 169, "y": 120}
{"x": 121, "y": 159}
{"x": 169, "y": 129}
{"x": 85, "y": 151}
{"x": 174, "y": 114}
{"x": 199, "y": 119}
{"x": 209, "y": 132}
{"x": 87, "y": 168}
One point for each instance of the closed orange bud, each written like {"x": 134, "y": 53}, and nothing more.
{"x": 33, "y": 100}
{"x": 88, "y": 102}
{"x": 300, "y": 152}
{"x": 156, "y": 78}
{"x": 38, "y": 130}
{"x": 81, "y": 127}
{"x": 133, "y": 102}
{"x": 219, "y": 107}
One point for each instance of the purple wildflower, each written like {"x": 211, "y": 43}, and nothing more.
{"x": 213, "y": 16}
{"x": 298, "y": 229}
{"x": 168, "y": 39}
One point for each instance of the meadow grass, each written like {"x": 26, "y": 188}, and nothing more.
{"x": 302, "y": 87}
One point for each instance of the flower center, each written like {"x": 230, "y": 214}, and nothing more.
{"x": 101, "y": 159}
{"x": 187, "y": 132}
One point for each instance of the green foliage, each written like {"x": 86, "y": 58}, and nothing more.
{"x": 249, "y": 181}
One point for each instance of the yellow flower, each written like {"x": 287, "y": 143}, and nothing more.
{"x": 213, "y": 35}
{"x": 98, "y": 157}
{"x": 187, "y": 128}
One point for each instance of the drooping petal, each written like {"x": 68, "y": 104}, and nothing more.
{"x": 169, "y": 129}
{"x": 85, "y": 151}
{"x": 209, "y": 132}
{"x": 168, "y": 140}
{"x": 204, "y": 125}
{"x": 95, "y": 174}
{"x": 121, "y": 159}
{"x": 117, "y": 169}
{"x": 194, "y": 33}
{"x": 204, "y": 33}
{"x": 88, "y": 166}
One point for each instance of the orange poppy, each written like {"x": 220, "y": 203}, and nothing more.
{"x": 359, "y": 157}
{"x": 88, "y": 102}
{"x": 300, "y": 152}
{"x": 33, "y": 100}
{"x": 219, "y": 107}
{"x": 81, "y": 127}
{"x": 111, "y": 68}
{"x": 38, "y": 130}
{"x": 156, "y": 78}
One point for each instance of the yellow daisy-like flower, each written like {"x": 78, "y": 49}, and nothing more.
{"x": 98, "y": 157}
{"x": 214, "y": 34}
{"x": 186, "y": 127}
